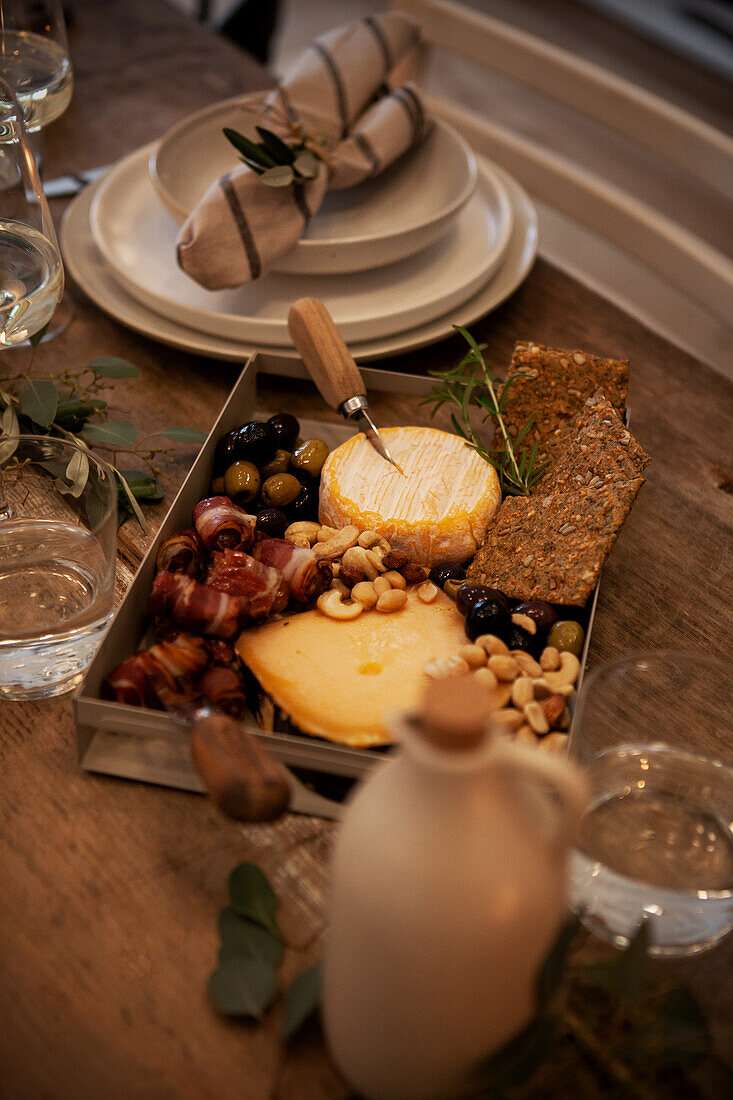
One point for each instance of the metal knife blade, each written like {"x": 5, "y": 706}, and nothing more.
{"x": 63, "y": 186}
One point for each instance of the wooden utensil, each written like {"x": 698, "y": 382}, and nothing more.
{"x": 332, "y": 367}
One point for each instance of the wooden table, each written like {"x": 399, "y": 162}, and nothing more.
{"x": 111, "y": 889}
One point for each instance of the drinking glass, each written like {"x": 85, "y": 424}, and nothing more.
{"x": 654, "y": 731}
{"x": 31, "y": 273}
{"x": 58, "y": 530}
{"x": 34, "y": 58}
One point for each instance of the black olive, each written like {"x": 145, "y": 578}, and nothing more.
{"x": 286, "y": 429}
{"x": 519, "y": 638}
{"x": 447, "y": 571}
{"x": 255, "y": 442}
{"x": 224, "y": 454}
{"x": 543, "y": 614}
{"x": 272, "y": 522}
{"x": 471, "y": 594}
{"x": 305, "y": 505}
{"x": 488, "y": 617}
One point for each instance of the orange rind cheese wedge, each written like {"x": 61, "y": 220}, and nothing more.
{"x": 437, "y": 509}
{"x": 342, "y": 680}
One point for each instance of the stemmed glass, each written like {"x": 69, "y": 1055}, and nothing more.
{"x": 31, "y": 273}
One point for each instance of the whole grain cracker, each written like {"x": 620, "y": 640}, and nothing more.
{"x": 553, "y": 547}
{"x": 596, "y": 448}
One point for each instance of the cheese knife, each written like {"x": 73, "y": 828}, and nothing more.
{"x": 332, "y": 367}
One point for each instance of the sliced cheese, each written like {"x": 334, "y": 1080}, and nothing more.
{"x": 437, "y": 510}
{"x": 343, "y": 679}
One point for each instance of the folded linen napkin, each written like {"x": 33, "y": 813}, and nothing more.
{"x": 338, "y": 93}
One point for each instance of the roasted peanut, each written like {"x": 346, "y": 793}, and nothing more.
{"x": 427, "y": 592}
{"x": 536, "y": 717}
{"x": 523, "y": 691}
{"x": 356, "y": 558}
{"x": 442, "y": 667}
{"x": 473, "y": 655}
{"x": 507, "y": 717}
{"x": 392, "y": 600}
{"x": 395, "y": 579}
{"x": 526, "y": 663}
{"x": 381, "y": 585}
{"x": 486, "y": 678}
{"x": 504, "y": 668}
{"x": 493, "y": 645}
{"x": 395, "y": 559}
{"x": 550, "y": 659}
{"x": 525, "y": 735}
{"x": 554, "y": 742}
{"x": 376, "y": 557}
{"x": 331, "y": 604}
{"x": 365, "y": 594}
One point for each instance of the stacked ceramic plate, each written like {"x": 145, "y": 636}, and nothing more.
{"x": 440, "y": 238}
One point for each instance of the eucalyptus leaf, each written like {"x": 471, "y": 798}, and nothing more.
{"x": 77, "y": 472}
{"x": 95, "y": 507}
{"x": 8, "y": 448}
{"x": 111, "y": 366}
{"x": 633, "y": 964}
{"x": 240, "y": 936}
{"x": 307, "y": 165}
{"x": 9, "y": 421}
{"x": 36, "y": 338}
{"x": 131, "y": 502}
{"x": 280, "y": 176}
{"x": 143, "y": 486}
{"x": 302, "y": 1000}
{"x": 252, "y": 896}
{"x": 72, "y": 413}
{"x": 183, "y": 435}
{"x": 38, "y": 401}
{"x": 117, "y": 433}
{"x": 243, "y": 986}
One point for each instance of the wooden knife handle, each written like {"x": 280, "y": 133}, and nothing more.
{"x": 324, "y": 352}
{"x": 244, "y": 781}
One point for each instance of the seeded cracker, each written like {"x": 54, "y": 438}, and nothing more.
{"x": 560, "y": 383}
{"x": 553, "y": 547}
{"x": 595, "y": 449}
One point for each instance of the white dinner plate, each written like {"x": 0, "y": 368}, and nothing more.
{"x": 137, "y": 238}
{"x": 86, "y": 266}
{"x": 399, "y": 212}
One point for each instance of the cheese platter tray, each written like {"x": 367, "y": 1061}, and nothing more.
{"x": 319, "y": 683}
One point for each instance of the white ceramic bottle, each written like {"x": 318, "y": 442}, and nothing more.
{"x": 448, "y": 890}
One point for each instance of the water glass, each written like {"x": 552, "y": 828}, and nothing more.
{"x": 58, "y": 531}
{"x": 654, "y": 733}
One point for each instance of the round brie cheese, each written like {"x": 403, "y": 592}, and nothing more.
{"x": 436, "y": 510}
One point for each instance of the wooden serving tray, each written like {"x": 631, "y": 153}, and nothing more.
{"x": 150, "y": 745}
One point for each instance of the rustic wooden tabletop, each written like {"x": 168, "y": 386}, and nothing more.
{"x": 111, "y": 888}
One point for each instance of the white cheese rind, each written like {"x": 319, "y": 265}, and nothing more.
{"x": 436, "y": 510}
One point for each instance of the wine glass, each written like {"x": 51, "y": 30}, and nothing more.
{"x": 34, "y": 58}
{"x": 31, "y": 273}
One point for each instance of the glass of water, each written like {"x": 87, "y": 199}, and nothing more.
{"x": 58, "y": 531}
{"x": 655, "y": 733}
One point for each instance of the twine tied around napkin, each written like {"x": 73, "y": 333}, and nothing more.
{"x": 337, "y": 94}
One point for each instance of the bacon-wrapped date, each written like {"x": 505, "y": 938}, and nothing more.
{"x": 142, "y": 681}
{"x": 220, "y": 652}
{"x": 239, "y": 574}
{"x": 221, "y": 525}
{"x": 197, "y": 607}
{"x": 182, "y": 656}
{"x": 222, "y": 688}
{"x": 305, "y": 575}
{"x": 182, "y": 553}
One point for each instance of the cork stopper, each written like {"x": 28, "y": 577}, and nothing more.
{"x": 454, "y": 712}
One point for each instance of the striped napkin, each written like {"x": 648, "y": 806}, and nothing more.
{"x": 338, "y": 91}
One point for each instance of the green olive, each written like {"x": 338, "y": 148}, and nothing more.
{"x": 278, "y": 464}
{"x": 217, "y": 487}
{"x": 452, "y": 585}
{"x": 310, "y": 456}
{"x": 280, "y": 490}
{"x": 242, "y": 481}
{"x": 567, "y": 636}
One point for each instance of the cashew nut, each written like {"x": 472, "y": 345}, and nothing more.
{"x": 303, "y": 528}
{"x": 331, "y": 604}
{"x": 338, "y": 544}
{"x": 356, "y": 558}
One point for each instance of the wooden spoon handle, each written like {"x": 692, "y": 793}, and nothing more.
{"x": 244, "y": 781}
{"x": 324, "y": 352}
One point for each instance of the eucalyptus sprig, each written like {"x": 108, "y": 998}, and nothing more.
{"x": 277, "y": 163}
{"x": 470, "y": 385}
{"x": 67, "y": 406}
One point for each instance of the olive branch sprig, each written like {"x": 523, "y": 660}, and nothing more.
{"x": 275, "y": 162}
{"x": 469, "y": 384}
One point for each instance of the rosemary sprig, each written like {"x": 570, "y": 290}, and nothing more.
{"x": 470, "y": 384}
